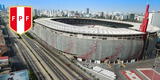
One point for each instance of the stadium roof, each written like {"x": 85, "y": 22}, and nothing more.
{"x": 97, "y": 31}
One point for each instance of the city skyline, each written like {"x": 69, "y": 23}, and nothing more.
{"x": 134, "y": 6}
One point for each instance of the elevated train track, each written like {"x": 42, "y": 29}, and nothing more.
{"x": 30, "y": 62}
{"x": 44, "y": 64}
{"x": 53, "y": 61}
{"x": 24, "y": 53}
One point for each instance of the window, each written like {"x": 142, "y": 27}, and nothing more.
{"x": 71, "y": 35}
{"x": 120, "y": 38}
{"x": 93, "y": 37}
{"x": 128, "y": 38}
{"x": 104, "y": 38}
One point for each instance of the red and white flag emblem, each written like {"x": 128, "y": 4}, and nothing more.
{"x": 20, "y": 19}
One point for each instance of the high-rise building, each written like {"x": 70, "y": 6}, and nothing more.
{"x": 131, "y": 17}
{"x": 102, "y": 14}
{"x": 87, "y": 11}
{"x": 0, "y": 7}
{"x": 3, "y": 7}
{"x": 154, "y": 18}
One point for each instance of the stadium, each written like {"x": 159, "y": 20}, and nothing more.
{"x": 95, "y": 39}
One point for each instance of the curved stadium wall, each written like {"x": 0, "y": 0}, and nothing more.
{"x": 91, "y": 46}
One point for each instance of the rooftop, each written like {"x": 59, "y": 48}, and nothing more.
{"x": 97, "y": 30}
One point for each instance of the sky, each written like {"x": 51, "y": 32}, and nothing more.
{"x": 93, "y": 5}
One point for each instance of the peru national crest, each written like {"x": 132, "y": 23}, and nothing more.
{"x": 20, "y": 19}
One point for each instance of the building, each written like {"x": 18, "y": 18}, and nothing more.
{"x": 36, "y": 12}
{"x": 123, "y": 17}
{"x": 131, "y": 17}
{"x": 139, "y": 18}
{"x": 2, "y": 7}
{"x": 94, "y": 39}
{"x": 87, "y": 11}
{"x": 154, "y": 18}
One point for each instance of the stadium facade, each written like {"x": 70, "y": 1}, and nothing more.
{"x": 95, "y": 39}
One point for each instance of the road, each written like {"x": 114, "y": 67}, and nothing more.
{"x": 46, "y": 65}
{"x": 19, "y": 54}
{"x": 25, "y": 57}
{"x": 65, "y": 70}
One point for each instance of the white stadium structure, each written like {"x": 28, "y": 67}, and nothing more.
{"x": 95, "y": 39}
